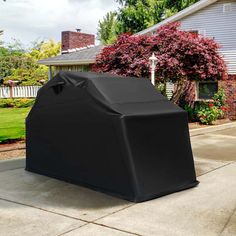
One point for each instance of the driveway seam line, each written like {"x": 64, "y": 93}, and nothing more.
{"x": 227, "y": 222}
{"x": 102, "y": 225}
{"x": 42, "y": 209}
{"x": 111, "y": 227}
{"x": 72, "y": 217}
{"x": 73, "y": 229}
{"x": 109, "y": 214}
{"x": 12, "y": 169}
{"x": 217, "y": 168}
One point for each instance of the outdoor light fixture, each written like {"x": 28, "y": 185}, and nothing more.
{"x": 153, "y": 63}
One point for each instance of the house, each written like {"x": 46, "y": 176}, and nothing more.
{"x": 78, "y": 53}
{"x": 215, "y": 19}
{"x": 210, "y": 18}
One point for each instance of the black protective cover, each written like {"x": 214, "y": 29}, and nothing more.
{"x": 115, "y": 135}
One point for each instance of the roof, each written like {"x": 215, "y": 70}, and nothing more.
{"x": 185, "y": 12}
{"x": 88, "y": 55}
{"x": 80, "y": 57}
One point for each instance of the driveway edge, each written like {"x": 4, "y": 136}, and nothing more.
{"x": 199, "y": 131}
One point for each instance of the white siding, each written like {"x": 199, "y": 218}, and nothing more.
{"x": 217, "y": 24}
{"x": 230, "y": 59}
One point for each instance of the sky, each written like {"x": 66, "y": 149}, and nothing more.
{"x": 30, "y": 20}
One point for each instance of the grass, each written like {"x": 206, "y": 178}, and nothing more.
{"x": 12, "y": 123}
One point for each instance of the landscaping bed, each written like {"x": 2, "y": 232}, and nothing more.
{"x": 12, "y": 150}
{"x": 7, "y": 155}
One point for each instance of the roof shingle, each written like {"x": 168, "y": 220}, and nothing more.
{"x": 83, "y": 56}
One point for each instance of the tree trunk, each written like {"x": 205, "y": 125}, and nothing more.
{"x": 179, "y": 89}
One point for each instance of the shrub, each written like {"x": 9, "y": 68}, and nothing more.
{"x": 16, "y": 102}
{"x": 219, "y": 98}
{"x": 190, "y": 111}
{"x": 220, "y": 102}
{"x": 207, "y": 113}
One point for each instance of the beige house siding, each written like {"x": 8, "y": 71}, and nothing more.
{"x": 83, "y": 68}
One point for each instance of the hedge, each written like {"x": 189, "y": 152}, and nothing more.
{"x": 16, "y": 102}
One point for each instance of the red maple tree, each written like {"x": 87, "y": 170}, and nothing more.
{"x": 181, "y": 56}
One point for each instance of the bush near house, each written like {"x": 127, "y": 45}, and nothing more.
{"x": 206, "y": 112}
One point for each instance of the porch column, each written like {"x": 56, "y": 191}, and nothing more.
{"x": 49, "y": 72}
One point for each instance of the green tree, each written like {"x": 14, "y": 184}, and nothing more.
{"x": 136, "y": 15}
{"x": 41, "y": 50}
{"x": 22, "y": 66}
{"x": 11, "y": 57}
{"x": 107, "y": 28}
{"x": 179, "y": 5}
{"x": 16, "y": 48}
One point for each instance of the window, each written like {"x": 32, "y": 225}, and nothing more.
{"x": 201, "y": 32}
{"x": 195, "y": 32}
{"x": 227, "y": 7}
{"x": 206, "y": 90}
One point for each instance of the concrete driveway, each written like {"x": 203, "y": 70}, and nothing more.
{"x": 32, "y": 204}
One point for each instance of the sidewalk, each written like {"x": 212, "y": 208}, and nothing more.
{"x": 32, "y": 204}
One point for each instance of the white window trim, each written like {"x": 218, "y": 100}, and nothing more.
{"x": 202, "y": 32}
{"x": 197, "y": 99}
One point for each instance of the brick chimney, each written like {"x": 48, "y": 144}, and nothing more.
{"x": 72, "y": 40}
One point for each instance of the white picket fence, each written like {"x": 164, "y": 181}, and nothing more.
{"x": 31, "y": 91}
{"x": 19, "y": 91}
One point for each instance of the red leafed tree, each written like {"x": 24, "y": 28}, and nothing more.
{"x": 181, "y": 56}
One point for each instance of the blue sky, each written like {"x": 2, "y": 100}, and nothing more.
{"x": 29, "y": 20}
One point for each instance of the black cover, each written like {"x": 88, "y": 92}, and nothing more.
{"x": 113, "y": 134}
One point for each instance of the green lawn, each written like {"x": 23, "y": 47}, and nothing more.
{"x": 12, "y": 123}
